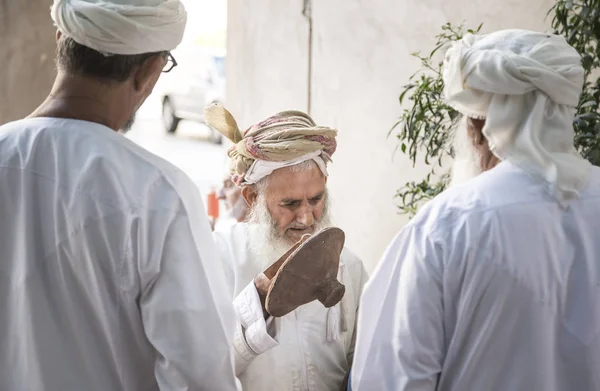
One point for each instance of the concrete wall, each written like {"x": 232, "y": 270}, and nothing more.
{"x": 360, "y": 63}
{"x": 27, "y": 47}
{"x": 267, "y": 58}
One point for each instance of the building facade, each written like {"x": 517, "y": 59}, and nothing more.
{"x": 346, "y": 62}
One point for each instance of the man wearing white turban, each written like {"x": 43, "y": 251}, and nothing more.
{"x": 105, "y": 279}
{"x": 494, "y": 285}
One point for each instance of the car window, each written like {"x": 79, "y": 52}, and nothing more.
{"x": 220, "y": 65}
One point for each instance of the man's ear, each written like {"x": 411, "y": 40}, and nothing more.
{"x": 58, "y": 34}
{"x": 147, "y": 74}
{"x": 250, "y": 195}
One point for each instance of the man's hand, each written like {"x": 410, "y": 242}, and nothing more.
{"x": 262, "y": 284}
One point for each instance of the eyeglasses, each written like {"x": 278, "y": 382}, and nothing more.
{"x": 171, "y": 63}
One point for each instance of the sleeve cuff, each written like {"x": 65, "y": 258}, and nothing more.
{"x": 249, "y": 311}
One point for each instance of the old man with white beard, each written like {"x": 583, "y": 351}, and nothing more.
{"x": 494, "y": 285}
{"x": 281, "y": 166}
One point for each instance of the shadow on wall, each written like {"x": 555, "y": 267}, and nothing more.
{"x": 27, "y": 47}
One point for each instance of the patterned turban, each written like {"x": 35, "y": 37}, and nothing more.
{"x": 282, "y": 140}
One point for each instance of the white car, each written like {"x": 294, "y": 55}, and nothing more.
{"x": 197, "y": 81}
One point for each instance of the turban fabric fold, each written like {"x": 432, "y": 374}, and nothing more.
{"x": 125, "y": 27}
{"x": 285, "y": 139}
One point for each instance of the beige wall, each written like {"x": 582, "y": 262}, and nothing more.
{"x": 27, "y": 51}
{"x": 267, "y": 68}
{"x": 360, "y": 63}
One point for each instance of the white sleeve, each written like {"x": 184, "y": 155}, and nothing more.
{"x": 253, "y": 335}
{"x": 400, "y": 343}
{"x": 186, "y": 311}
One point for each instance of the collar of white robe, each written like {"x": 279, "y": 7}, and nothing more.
{"x": 526, "y": 85}
{"x": 128, "y": 27}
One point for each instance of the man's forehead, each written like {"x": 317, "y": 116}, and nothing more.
{"x": 286, "y": 183}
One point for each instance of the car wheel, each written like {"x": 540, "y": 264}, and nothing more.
{"x": 170, "y": 120}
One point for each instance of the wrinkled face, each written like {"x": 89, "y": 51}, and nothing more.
{"x": 289, "y": 204}
{"x": 229, "y": 193}
{"x": 295, "y": 201}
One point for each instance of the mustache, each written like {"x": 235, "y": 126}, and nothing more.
{"x": 299, "y": 226}
{"x": 258, "y": 214}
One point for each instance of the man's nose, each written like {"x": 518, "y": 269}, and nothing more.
{"x": 306, "y": 216}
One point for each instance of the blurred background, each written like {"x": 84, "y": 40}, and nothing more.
{"x": 343, "y": 61}
{"x": 170, "y": 122}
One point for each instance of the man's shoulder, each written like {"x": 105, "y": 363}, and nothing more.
{"x": 504, "y": 187}
{"x": 500, "y": 187}
{"x": 349, "y": 258}
{"x": 467, "y": 204}
{"x": 353, "y": 264}
{"x": 230, "y": 236}
{"x": 230, "y": 230}
{"x": 93, "y": 159}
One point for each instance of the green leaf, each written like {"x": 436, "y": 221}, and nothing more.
{"x": 585, "y": 12}
{"x": 569, "y": 5}
{"x": 403, "y": 94}
{"x": 588, "y": 116}
{"x": 425, "y": 120}
{"x": 587, "y": 61}
{"x": 572, "y": 36}
{"x": 589, "y": 103}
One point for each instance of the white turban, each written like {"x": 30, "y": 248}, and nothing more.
{"x": 124, "y": 27}
{"x": 526, "y": 85}
{"x": 261, "y": 169}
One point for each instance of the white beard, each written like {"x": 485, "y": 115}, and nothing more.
{"x": 264, "y": 242}
{"x": 467, "y": 161}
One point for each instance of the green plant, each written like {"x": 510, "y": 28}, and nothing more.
{"x": 579, "y": 23}
{"x": 424, "y": 127}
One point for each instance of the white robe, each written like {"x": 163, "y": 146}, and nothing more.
{"x": 105, "y": 277}
{"x": 493, "y": 286}
{"x": 309, "y": 349}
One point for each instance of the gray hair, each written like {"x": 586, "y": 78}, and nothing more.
{"x": 82, "y": 60}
